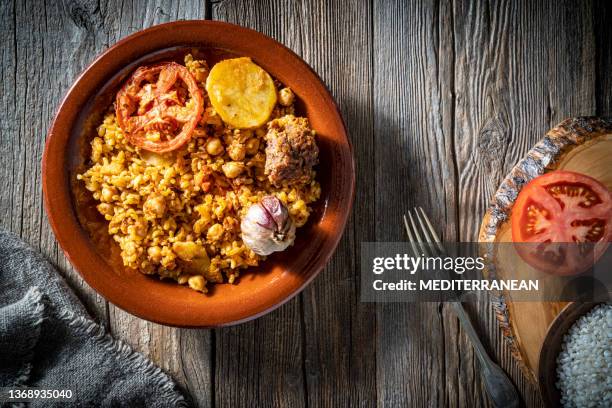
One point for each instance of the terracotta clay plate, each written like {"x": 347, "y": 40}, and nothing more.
{"x": 259, "y": 290}
{"x": 582, "y": 145}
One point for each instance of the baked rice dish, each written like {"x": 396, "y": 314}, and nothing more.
{"x": 201, "y": 172}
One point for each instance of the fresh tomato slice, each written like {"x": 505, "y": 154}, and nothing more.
{"x": 159, "y": 107}
{"x": 566, "y": 220}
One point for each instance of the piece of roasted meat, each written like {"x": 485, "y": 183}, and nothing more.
{"x": 291, "y": 151}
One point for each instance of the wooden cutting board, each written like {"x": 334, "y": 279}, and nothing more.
{"x": 583, "y": 145}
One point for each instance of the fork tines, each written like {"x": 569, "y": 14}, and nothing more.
{"x": 423, "y": 238}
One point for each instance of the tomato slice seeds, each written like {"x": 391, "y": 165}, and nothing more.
{"x": 157, "y": 112}
{"x": 562, "y": 207}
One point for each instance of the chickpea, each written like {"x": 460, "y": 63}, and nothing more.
{"x": 236, "y": 151}
{"x": 155, "y": 207}
{"x": 140, "y": 229}
{"x": 108, "y": 193}
{"x": 196, "y": 282}
{"x": 212, "y": 118}
{"x": 214, "y": 147}
{"x": 129, "y": 248}
{"x": 199, "y": 225}
{"x": 214, "y": 232}
{"x": 232, "y": 169}
{"x": 286, "y": 96}
{"x": 106, "y": 209}
{"x": 252, "y": 146}
{"x": 155, "y": 253}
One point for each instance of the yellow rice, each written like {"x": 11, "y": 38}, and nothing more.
{"x": 157, "y": 210}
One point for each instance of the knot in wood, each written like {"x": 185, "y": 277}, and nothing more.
{"x": 83, "y": 17}
{"x": 492, "y": 142}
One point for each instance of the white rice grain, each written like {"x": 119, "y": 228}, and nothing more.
{"x": 584, "y": 365}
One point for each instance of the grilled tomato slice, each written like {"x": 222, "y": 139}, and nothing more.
{"x": 159, "y": 107}
{"x": 566, "y": 220}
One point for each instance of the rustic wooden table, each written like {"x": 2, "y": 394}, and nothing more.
{"x": 440, "y": 100}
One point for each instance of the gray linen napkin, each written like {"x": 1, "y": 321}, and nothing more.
{"x": 47, "y": 340}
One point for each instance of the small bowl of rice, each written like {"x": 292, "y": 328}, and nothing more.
{"x": 575, "y": 366}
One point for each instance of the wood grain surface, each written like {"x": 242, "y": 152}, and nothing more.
{"x": 440, "y": 99}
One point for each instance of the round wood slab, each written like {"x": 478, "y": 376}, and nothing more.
{"x": 583, "y": 145}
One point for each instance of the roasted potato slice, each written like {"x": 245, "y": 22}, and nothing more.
{"x": 241, "y": 92}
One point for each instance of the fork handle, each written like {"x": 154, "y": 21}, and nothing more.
{"x": 498, "y": 385}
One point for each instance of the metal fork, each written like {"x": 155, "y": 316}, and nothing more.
{"x": 499, "y": 387}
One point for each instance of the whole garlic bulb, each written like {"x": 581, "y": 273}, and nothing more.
{"x": 267, "y": 227}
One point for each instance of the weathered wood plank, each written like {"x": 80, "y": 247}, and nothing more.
{"x": 38, "y": 66}
{"x": 9, "y": 127}
{"x": 602, "y": 16}
{"x": 521, "y": 67}
{"x": 481, "y": 47}
{"x": 337, "y": 330}
{"x": 260, "y": 363}
{"x": 339, "y": 341}
{"x": 414, "y": 166}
